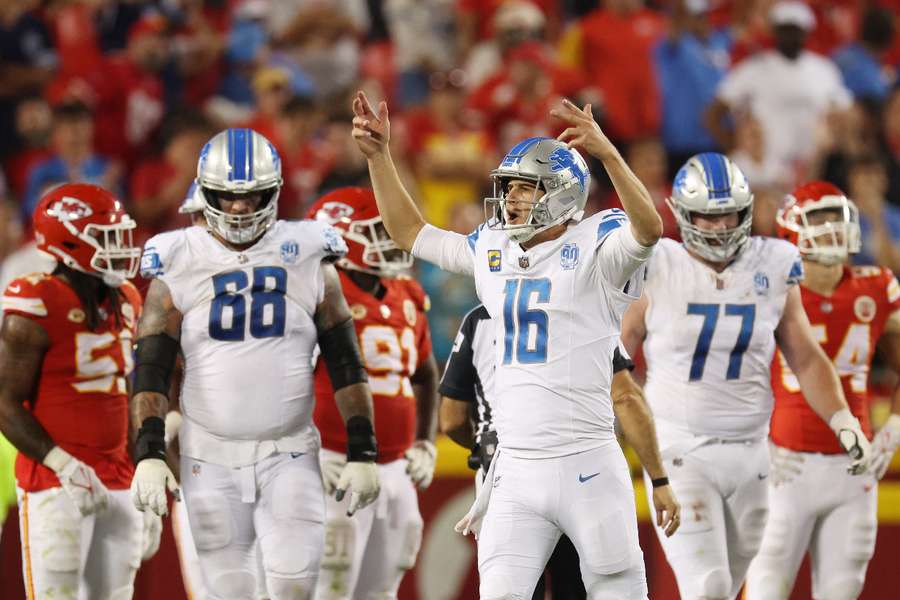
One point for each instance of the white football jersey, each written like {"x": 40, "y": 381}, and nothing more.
{"x": 556, "y": 311}
{"x": 247, "y": 336}
{"x": 710, "y": 339}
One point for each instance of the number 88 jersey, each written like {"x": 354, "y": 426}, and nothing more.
{"x": 393, "y": 340}
{"x": 247, "y": 336}
{"x": 847, "y": 324}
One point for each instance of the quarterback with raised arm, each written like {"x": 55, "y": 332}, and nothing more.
{"x": 65, "y": 356}
{"x": 713, "y": 309}
{"x": 246, "y": 300}
{"x": 556, "y": 286}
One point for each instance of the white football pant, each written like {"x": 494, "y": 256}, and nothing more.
{"x": 367, "y": 555}
{"x": 279, "y": 501}
{"x": 722, "y": 488}
{"x": 68, "y": 556}
{"x": 589, "y": 497}
{"x": 829, "y": 512}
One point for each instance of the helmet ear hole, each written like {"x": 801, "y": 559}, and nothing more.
{"x": 70, "y": 245}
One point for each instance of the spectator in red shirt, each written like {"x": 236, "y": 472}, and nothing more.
{"x": 159, "y": 185}
{"x": 305, "y": 157}
{"x": 613, "y": 45}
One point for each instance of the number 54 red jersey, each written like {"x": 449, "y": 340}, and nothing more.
{"x": 847, "y": 324}
{"x": 81, "y": 397}
{"x": 394, "y": 340}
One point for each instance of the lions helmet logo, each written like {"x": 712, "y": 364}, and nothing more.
{"x": 334, "y": 212}
{"x": 566, "y": 159}
{"x": 69, "y": 209}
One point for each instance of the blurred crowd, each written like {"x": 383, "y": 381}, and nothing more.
{"x": 124, "y": 93}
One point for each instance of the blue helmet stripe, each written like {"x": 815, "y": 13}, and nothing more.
{"x": 715, "y": 168}
{"x": 237, "y": 142}
{"x": 517, "y": 153}
{"x": 249, "y": 154}
{"x": 229, "y": 148}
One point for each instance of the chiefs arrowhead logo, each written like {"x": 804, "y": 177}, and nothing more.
{"x": 334, "y": 212}
{"x": 69, "y": 209}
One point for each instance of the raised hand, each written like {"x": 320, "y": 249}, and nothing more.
{"x": 583, "y": 131}
{"x": 371, "y": 129}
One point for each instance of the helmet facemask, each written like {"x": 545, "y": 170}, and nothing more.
{"x": 541, "y": 214}
{"x": 716, "y": 246}
{"x": 828, "y": 241}
{"x": 115, "y": 259}
{"x": 241, "y": 229}
{"x": 381, "y": 256}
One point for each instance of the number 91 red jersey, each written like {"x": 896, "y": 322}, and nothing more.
{"x": 82, "y": 397}
{"x": 394, "y": 340}
{"x": 847, "y": 324}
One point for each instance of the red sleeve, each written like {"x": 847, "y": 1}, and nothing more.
{"x": 32, "y": 298}
{"x": 892, "y": 289}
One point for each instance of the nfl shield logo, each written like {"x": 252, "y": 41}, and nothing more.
{"x": 568, "y": 256}
{"x": 524, "y": 262}
{"x": 290, "y": 252}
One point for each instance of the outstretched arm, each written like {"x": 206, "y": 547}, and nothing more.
{"x": 372, "y": 132}
{"x": 646, "y": 224}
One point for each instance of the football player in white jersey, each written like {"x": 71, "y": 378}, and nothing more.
{"x": 246, "y": 301}
{"x": 556, "y": 287}
{"x": 712, "y": 311}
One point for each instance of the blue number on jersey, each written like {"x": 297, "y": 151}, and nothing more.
{"x": 269, "y": 288}
{"x": 518, "y": 320}
{"x": 710, "y": 314}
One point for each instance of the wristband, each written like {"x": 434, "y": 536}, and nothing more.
{"x": 56, "y": 459}
{"x": 151, "y": 440}
{"x": 361, "y": 444}
{"x": 659, "y": 482}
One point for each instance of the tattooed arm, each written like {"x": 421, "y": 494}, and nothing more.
{"x": 23, "y": 344}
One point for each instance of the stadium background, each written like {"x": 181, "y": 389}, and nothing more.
{"x": 124, "y": 93}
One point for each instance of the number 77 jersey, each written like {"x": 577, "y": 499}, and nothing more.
{"x": 848, "y": 324}
{"x": 710, "y": 339}
{"x": 247, "y": 336}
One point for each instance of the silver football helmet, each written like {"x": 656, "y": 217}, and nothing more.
{"x": 711, "y": 184}
{"x": 235, "y": 162}
{"x": 562, "y": 182}
{"x": 193, "y": 201}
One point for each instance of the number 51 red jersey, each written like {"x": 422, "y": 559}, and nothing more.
{"x": 394, "y": 340}
{"x": 847, "y": 324}
{"x": 81, "y": 397}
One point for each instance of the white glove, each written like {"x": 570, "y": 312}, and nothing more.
{"x": 78, "y": 480}
{"x": 173, "y": 425}
{"x": 152, "y": 532}
{"x": 148, "y": 488}
{"x": 420, "y": 468}
{"x": 361, "y": 478}
{"x": 785, "y": 464}
{"x": 884, "y": 445}
{"x": 852, "y": 440}
{"x": 331, "y": 464}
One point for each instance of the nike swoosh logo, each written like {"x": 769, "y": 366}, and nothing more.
{"x": 15, "y": 288}
{"x": 760, "y": 476}
{"x": 582, "y": 478}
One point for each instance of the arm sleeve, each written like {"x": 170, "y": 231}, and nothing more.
{"x": 450, "y": 251}
{"x": 460, "y": 376}
{"x": 620, "y": 256}
{"x": 621, "y": 360}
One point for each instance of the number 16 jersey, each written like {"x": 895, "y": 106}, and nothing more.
{"x": 710, "y": 339}
{"x": 247, "y": 336}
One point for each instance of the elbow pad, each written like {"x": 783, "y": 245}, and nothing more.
{"x": 341, "y": 354}
{"x": 154, "y": 361}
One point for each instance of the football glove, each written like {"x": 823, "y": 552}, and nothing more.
{"x": 852, "y": 439}
{"x": 331, "y": 464}
{"x": 152, "y": 477}
{"x": 884, "y": 445}
{"x": 151, "y": 534}
{"x": 420, "y": 463}
{"x": 78, "y": 480}
{"x": 361, "y": 479}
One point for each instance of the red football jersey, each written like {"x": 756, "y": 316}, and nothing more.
{"x": 81, "y": 398}
{"x": 848, "y": 325}
{"x": 394, "y": 340}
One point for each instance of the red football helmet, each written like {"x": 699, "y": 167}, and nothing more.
{"x": 86, "y": 228}
{"x": 354, "y": 213}
{"x": 820, "y": 238}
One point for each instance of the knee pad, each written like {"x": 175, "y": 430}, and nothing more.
{"x": 841, "y": 589}
{"x": 630, "y": 584}
{"x": 231, "y": 586}
{"x": 716, "y": 585}
{"x": 210, "y": 521}
{"x": 283, "y": 588}
{"x": 499, "y": 587}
